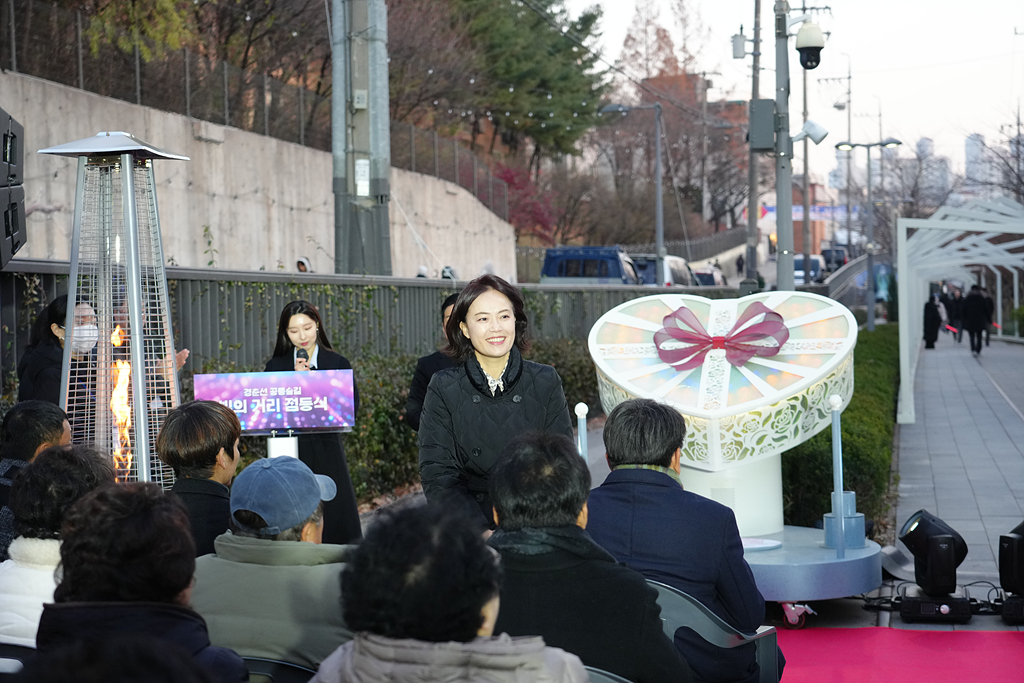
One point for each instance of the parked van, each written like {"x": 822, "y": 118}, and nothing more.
{"x": 709, "y": 276}
{"x": 588, "y": 266}
{"x": 676, "y": 270}
{"x": 817, "y": 269}
{"x": 834, "y": 258}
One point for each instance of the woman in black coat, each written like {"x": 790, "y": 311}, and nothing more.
{"x": 492, "y": 395}
{"x": 41, "y": 366}
{"x": 932, "y": 321}
{"x": 300, "y": 329}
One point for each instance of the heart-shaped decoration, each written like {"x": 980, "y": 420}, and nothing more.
{"x": 752, "y": 375}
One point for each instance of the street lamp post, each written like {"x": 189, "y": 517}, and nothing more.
{"x": 659, "y": 212}
{"x": 869, "y": 225}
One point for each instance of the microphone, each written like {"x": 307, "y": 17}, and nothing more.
{"x": 301, "y": 353}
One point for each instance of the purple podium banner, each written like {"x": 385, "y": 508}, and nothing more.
{"x": 280, "y": 401}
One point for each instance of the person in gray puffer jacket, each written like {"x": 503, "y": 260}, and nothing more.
{"x": 421, "y": 592}
{"x": 473, "y": 410}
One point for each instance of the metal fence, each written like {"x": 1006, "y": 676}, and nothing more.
{"x": 423, "y": 151}
{"x": 229, "y": 319}
{"x": 699, "y": 249}
{"x": 49, "y": 42}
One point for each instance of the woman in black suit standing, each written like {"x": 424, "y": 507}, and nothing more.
{"x": 324, "y": 453}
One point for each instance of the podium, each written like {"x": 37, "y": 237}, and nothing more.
{"x": 284, "y": 405}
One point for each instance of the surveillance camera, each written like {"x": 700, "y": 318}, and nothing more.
{"x": 815, "y": 131}
{"x": 809, "y": 41}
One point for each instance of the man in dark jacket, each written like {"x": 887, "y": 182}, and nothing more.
{"x": 199, "y": 441}
{"x": 29, "y": 428}
{"x": 700, "y": 553}
{"x": 990, "y": 309}
{"x": 975, "y": 318}
{"x": 127, "y": 561}
{"x": 558, "y": 583}
{"x": 425, "y": 369}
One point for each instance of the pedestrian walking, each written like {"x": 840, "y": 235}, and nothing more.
{"x": 990, "y": 309}
{"x": 955, "y": 311}
{"x": 975, "y": 318}
{"x": 739, "y": 265}
{"x": 932, "y": 322}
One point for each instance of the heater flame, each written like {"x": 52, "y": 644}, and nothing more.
{"x": 122, "y": 413}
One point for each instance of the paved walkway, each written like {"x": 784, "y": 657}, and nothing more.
{"x": 963, "y": 460}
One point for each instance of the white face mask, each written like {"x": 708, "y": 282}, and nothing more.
{"x": 84, "y": 338}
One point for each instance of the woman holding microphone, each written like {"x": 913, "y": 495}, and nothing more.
{"x": 492, "y": 395}
{"x": 302, "y": 346}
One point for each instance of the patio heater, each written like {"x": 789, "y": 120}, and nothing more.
{"x": 119, "y": 377}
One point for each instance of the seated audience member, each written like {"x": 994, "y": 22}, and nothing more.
{"x": 699, "y": 552}
{"x": 29, "y": 428}
{"x": 42, "y": 493}
{"x": 199, "y": 441}
{"x": 426, "y": 367}
{"x": 421, "y": 592}
{"x": 561, "y": 585}
{"x": 275, "y": 553}
{"x": 127, "y": 558}
{"x": 126, "y": 659}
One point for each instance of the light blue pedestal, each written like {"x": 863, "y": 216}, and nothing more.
{"x": 804, "y": 569}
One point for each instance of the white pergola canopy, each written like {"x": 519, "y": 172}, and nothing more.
{"x": 953, "y": 244}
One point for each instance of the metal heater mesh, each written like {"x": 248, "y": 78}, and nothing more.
{"x": 119, "y": 284}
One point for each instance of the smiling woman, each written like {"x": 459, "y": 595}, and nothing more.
{"x": 473, "y": 410}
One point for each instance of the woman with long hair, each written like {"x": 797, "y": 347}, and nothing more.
{"x": 492, "y": 395}
{"x": 300, "y": 329}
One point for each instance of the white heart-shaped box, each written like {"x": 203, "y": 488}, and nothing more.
{"x": 739, "y": 418}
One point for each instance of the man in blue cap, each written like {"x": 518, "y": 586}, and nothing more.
{"x": 272, "y": 590}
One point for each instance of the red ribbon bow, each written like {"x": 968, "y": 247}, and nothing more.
{"x": 682, "y": 326}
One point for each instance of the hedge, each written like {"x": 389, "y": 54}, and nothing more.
{"x": 867, "y": 431}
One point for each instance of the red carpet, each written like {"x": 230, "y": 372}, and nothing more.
{"x": 860, "y": 655}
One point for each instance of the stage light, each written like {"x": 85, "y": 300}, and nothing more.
{"x": 1011, "y": 574}
{"x": 938, "y": 550}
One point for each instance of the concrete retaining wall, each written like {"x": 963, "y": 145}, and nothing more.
{"x": 244, "y": 201}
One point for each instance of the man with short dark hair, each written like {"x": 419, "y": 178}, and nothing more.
{"x": 272, "y": 590}
{"x": 29, "y": 428}
{"x": 199, "y": 441}
{"x": 643, "y": 517}
{"x": 561, "y": 585}
{"x": 427, "y": 367}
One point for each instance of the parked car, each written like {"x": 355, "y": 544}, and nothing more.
{"x": 676, "y": 270}
{"x": 817, "y": 273}
{"x": 588, "y": 266}
{"x": 709, "y": 276}
{"x": 835, "y": 258}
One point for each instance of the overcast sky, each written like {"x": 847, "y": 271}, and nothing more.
{"x": 937, "y": 68}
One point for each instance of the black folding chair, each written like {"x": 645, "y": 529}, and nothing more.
{"x": 263, "y": 670}
{"x": 680, "y": 610}
{"x": 602, "y": 676}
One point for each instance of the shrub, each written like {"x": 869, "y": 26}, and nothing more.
{"x": 867, "y": 430}
{"x": 381, "y": 450}
{"x": 572, "y": 360}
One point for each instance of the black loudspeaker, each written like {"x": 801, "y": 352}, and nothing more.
{"x": 12, "y": 194}
{"x": 12, "y": 205}
{"x": 12, "y": 151}
{"x": 936, "y": 571}
{"x": 1011, "y": 561}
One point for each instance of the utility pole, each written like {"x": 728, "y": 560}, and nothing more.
{"x": 849, "y": 154}
{"x": 752, "y": 209}
{"x": 339, "y": 131}
{"x": 805, "y": 189}
{"x": 361, "y": 144}
{"x": 783, "y": 151}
